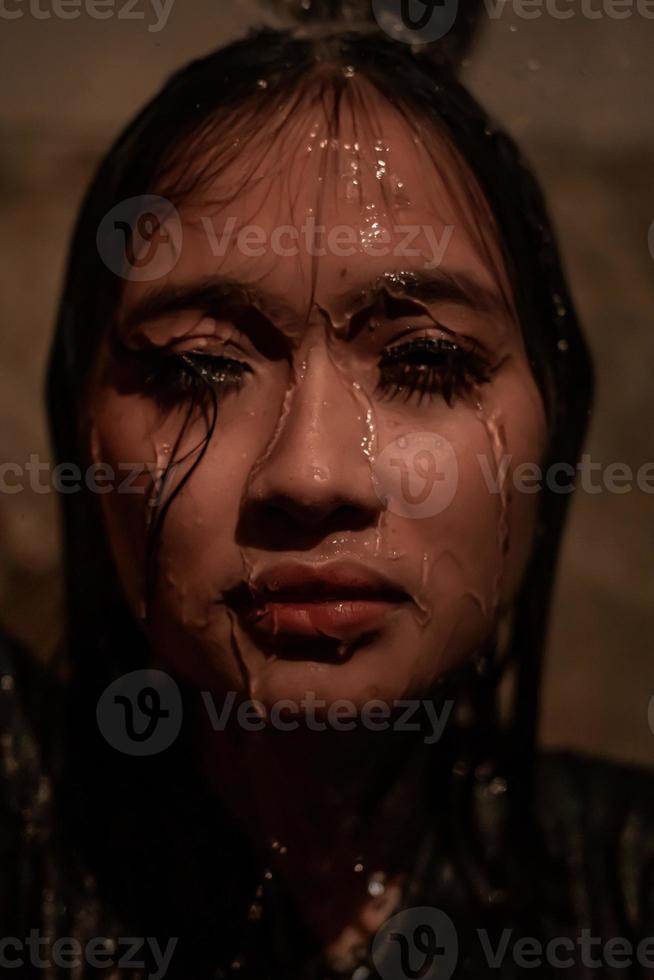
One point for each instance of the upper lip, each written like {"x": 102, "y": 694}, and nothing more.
{"x": 312, "y": 582}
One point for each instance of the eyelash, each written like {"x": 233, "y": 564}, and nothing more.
{"x": 172, "y": 377}
{"x": 431, "y": 367}
{"x": 426, "y": 366}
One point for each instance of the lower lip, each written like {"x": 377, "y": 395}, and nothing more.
{"x": 341, "y": 619}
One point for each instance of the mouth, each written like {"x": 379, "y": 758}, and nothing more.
{"x": 342, "y": 601}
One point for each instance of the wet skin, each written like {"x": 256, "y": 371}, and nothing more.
{"x": 295, "y": 562}
{"x": 318, "y": 380}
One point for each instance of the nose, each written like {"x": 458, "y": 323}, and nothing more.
{"x": 315, "y": 477}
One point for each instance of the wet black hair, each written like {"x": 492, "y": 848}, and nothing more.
{"x": 139, "y": 864}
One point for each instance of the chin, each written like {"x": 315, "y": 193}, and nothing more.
{"x": 296, "y": 674}
{"x": 376, "y": 671}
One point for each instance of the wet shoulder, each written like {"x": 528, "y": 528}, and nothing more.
{"x": 597, "y": 819}
{"x": 24, "y": 788}
{"x": 596, "y": 794}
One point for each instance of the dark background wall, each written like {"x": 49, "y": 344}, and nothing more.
{"x": 579, "y": 96}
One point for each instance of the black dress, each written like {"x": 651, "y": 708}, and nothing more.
{"x": 587, "y": 911}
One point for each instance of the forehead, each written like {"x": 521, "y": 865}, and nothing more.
{"x": 310, "y": 200}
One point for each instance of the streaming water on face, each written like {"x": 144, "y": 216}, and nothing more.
{"x": 493, "y": 424}
{"x": 362, "y": 177}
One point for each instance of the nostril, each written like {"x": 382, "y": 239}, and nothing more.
{"x": 298, "y": 510}
{"x": 302, "y": 509}
{"x": 329, "y": 516}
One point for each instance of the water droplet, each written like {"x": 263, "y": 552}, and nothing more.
{"x": 255, "y": 911}
{"x": 398, "y": 189}
{"x": 377, "y": 884}
{"x": 352, "y": 190}
{"x": 497, "y": 786}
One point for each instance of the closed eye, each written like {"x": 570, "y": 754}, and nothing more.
{"x": 174, "y": 376}
{"x": 431, "y": 367}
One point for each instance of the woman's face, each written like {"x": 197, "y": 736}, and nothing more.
{"x": 343, "y": 534}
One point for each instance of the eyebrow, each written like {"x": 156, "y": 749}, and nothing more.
{"x": 205, "y": 294}
{"x": 435, "y": 285}
{"x": 230, "y": 294}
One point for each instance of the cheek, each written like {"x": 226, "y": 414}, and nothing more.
{"x": 519, "y": 405}
{"x": 475, "y": 540}
{"x": 453, "y": 540}
{"x": 197, "y": 549}
{"x": 468, "y": 555}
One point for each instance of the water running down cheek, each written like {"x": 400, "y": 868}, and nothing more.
{"x": 294, "y": 620}
{"x": 289, "y": 626}
{"x": 339, "y": 429}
